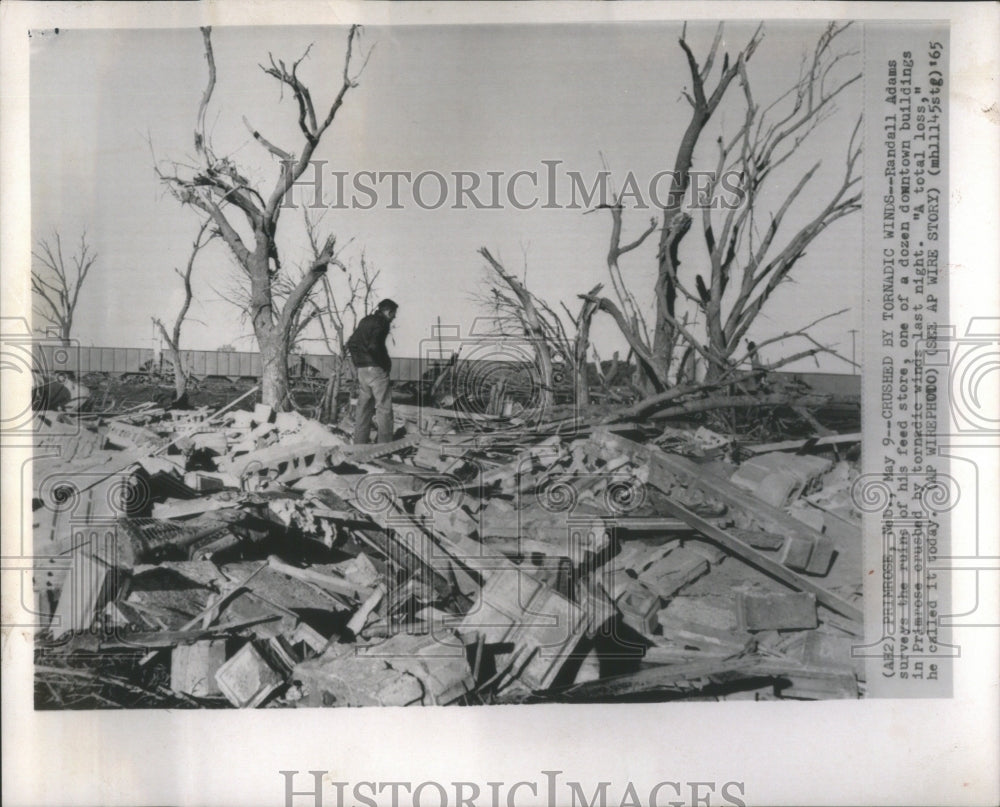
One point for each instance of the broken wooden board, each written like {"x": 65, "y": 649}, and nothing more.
{"x": 185, "y": 508}
{"x": 372, "y": 451}
{"x": 809, "y": 683}
{"x": 543, "y": 626}
{"x": 72, "y": 441}
{"x": 794, "y": 445}
{"x": 126, "y": 436}
{"x": 272, "y": 585}
{"x": 336, "y": 585}
{"x": 248, "y": 678}
{"x": 566, "y": 537}
{"x": 153, "y": 640}
{"x": 665, "y": 651}
{"x": 653, "y": 524}
{"x": 78, "y": 505}
{"x": 210, "y": 481}
{"x": 418, "y": 413}
{"x": 399, "y": 538}
{"x": 284, "y": 463}
{"x": 534, "y": 459}
{"x": 678, "y": 679}
{"x": 768, "y": 565}
{"x": 805, "y": 550}
{"x": 90, "y": 584}
{"x": 193, "y": 667}
{"x": 439, "y": 455}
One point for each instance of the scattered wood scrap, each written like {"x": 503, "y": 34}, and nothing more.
{"x": 255, "y": 559}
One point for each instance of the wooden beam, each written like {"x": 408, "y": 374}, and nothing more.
{"x": 788, "y": 445}
{"x": 806, "y": 548}
{"x": 768, "y": 565}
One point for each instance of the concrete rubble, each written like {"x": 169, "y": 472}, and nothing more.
{"x": 256, "y": 559}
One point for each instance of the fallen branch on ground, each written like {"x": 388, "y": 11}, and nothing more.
{"x": 742, "y": 401}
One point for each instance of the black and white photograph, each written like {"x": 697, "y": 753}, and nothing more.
{"x": 601, "y": 370}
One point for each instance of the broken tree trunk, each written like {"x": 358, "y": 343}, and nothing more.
{"x": 582, "y": 343}
{"x": 534, "y": 327}
{"x": 740, "y": 402}
{"x": 216, "y": 187}
{"x": 173, "y": 339}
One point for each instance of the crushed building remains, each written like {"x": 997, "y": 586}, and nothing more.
{"x": 255, "y": 559}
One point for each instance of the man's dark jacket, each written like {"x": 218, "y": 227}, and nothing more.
{"x": 367, "y": 343}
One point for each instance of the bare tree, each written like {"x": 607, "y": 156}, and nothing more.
{"x": 517, "y": 312}
{"x": 742, "y": 267}
{"x": 676, "y": 222}
{"x": 337, "y": 313}
{"x": 218, "y": 188}
{"x": 341, "y": 313}
{"x": 581, "y": 346}
{"x": 328, "y": 316}
{"x": 627, "y": 312}
{"x": 767, "y": 138}
{"x": 56, "y": 283}
{"x": 182, "y": 376}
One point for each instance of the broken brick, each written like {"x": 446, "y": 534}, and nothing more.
{"x": 486, "y": 589}
{"x": 760, "y": 610}
{"x": 639, "y": 606}
{"x": 673, "y": 572}
{"x": 702, "y": 620}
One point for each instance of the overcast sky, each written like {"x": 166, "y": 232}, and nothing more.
{"x": 445, "y": 99}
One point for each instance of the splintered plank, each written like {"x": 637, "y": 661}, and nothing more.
{"x": 372, "y": 451}
{"x": 759, "y": 560}
{"x": 679, "y": 678}
{"x": 543, "y": 626}
{"x": 806, "y": 548}
{"x": 789, "y": 445}
{"x": 89, "y": 585}
{"x": 400, "y": 538}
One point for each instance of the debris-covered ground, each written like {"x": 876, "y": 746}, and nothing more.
{"x": 256, "y": 559}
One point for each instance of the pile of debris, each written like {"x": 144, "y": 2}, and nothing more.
{"x": 256, "y": 559}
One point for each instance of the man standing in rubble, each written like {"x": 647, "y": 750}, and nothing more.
{"x": 370, "y": 357}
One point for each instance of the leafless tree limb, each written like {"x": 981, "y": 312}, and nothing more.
{"x": 173, "y": 339}
{"x": 218, "y": 188}
{"x": 56, "y": 284}
{"x": 534, "y": 326}
{"x": 743, "y": 270}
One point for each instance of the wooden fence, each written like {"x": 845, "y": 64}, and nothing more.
{"x": 50, "y": 358}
